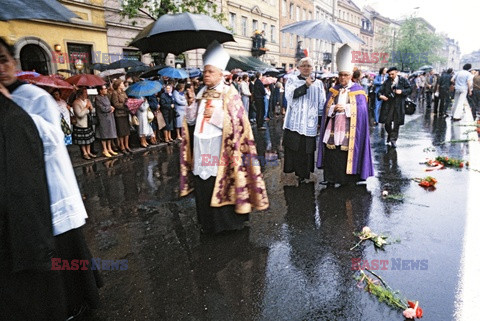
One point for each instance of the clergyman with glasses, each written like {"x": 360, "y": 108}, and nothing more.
{"x": 305, "y": 99}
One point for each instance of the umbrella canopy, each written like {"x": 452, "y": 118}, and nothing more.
{"x": 125, "y": 63}
{"x": 112, "y": 73}
{"x": 50, "y": 81}
{"x": 173, "y": 73}
{"x": 269, "y": 80}
{"x": 137, "y": 69}
{"x": 152, "y": 72}
{"x": 100, "y": 67}
{"x": 193, "y": 72}
{"x": 426, "y": 67}
{"x": 323, "y": 30}
{"x": 85, "y": 80}
{"x": 144, "y": 88}
{"x": 176, "y": 33}
{"x": 38, "y": 9}
{"x": 23, "y": 75}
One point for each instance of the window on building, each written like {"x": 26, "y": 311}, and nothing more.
{"x": 254, "y": 25}
{"x": 284, "y": 65}
{"x": 304, "y": 15}
{"x": 284, "y": 8}
{"x": 272, "y": 34}
{"x": 317, "y": 14}
{"x": 298, "y": 13}
{"x": 284, "y": 40}
{"x": 292, "y": 11}
{"x": 291, "y": 40}
{"x": 310, "y": 15}
{"x": 244, "y": 26}
{"x": 233, "y": 18}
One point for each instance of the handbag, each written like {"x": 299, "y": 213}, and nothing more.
{"x": 410, "y": 107}
{"x": 150, "y": 115}
{"x": 160, "y": 120}
{"x": 135, "y": 121}
{"x": 65, "y": 127}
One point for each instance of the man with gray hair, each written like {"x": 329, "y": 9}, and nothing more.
{"x": 305, "y": 99}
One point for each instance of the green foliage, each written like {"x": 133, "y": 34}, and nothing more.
{"x": 415, "y": 45}
{"x": 381, "y": 290}
{"x": 156, "y": 8}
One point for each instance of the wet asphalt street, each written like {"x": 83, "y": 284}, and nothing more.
{"x": 294, "y": 261}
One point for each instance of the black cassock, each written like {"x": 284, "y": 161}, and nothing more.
{"x": 29, "y": 290}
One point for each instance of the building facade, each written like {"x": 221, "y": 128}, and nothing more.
{"x": 292, "y": 11}
{"x": 49, "y": 47}
{"x": 121, "y": 30}
{"x": 323, "y": 55}
{"x": 245, "y": 18}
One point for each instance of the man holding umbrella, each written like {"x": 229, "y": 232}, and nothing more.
{"x": 216, "y": 153}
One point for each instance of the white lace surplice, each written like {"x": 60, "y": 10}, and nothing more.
{"x": 302, "y": 112}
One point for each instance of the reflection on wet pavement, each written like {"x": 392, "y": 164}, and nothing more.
{"x": 293, "y": 262}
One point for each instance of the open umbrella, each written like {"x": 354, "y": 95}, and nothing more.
{"x": 38, "y": 9}
{"x": 426, "y": 67}
{"x": 24, "y": 75}
{"x": 171, "y": 72}
{"x": 144, "y": 88}
{"x": 176, "y": 33}
{"x": 50, "y": 81}
{"x": 112, "y": 73}
{"x": 99, "y": 66}
{"x": 124, "y": 63}
{"x": 323, "y": 30}
{"x": 137, "y": 69}
{"x": 193, "y": 72}
{"x": 85, "y": 80}
{"x": 152, "y": 72}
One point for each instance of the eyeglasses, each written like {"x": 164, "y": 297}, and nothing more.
{"x": 306, "y": 66}
{"x": 343, "y": 75}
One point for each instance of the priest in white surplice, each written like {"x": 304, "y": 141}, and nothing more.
{"x": 305, "y": 99}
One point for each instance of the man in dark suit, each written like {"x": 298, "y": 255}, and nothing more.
{"x": 393, "y": 93}
{"x": 259, "y": 95}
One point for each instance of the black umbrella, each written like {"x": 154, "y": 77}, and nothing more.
{"x": 124, "y": 63}
{"x": 38, "y": 9}
{"x": 100, "y": 67}
{"x": 152, "y": 72}
{"x": 176, "y": 33}
{"x": 137, "y": 69}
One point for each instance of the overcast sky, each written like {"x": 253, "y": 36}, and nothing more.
{"x": 457, "y": 18}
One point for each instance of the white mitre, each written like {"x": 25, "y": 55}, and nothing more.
{"x": 344, "y": 59}
{"x": 216, "y": 56}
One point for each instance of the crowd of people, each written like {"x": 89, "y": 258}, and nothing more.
{"x": 212, "y": 119}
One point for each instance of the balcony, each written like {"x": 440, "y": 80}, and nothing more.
{"x": 366, "y": 31}
{"x": 327, "y": 58}
{"x": 258, "y": 45}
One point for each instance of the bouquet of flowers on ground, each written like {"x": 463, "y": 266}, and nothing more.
{"x": 384, "y": 293}
{"x": 445, "y": 161}
{"x": 366, "y": 234}
{"x": 427, "y": 182}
